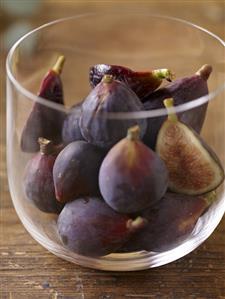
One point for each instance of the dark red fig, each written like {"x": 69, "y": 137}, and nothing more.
{"x": 182, "y": 91}
{"x": 192, "y": 165}
{"x": 76, "y": 171}
{"x": 44, "y": 121}
{"x": 170, "y": 222}
{"x": 109, "y": 96}
{"x": 90, "y": 227}
{"x": 71, "y": 129}
{"x": 132, "y": 177}
{"x": 38, "y": 179}
{"x": 142, "y": 83}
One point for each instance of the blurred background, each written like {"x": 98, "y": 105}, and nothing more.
{"x": 20, "y": 16}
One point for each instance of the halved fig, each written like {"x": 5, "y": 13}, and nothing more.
{"x": 193, "y": 166}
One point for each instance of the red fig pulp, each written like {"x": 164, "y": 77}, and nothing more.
{"x": 193, "y": 166}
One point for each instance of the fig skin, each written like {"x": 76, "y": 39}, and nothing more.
{"x": 182, "y": 91}
{"x": 109, "y": 96}
{"x": 192, "y": 165}
{"x": 132, "y": 177}
{"x": 90, "y": 227}
{"x": 44, "y": 121}
{"x": 170, "y": 222}
{"x": 142, "y": 83}
{"x": 76, "y": 169}
{"x": 38, "y": 179}
{"x": 71, "y": 129}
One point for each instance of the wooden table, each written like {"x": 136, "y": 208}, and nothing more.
{"x": 28, "y": 271}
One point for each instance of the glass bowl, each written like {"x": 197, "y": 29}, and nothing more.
{"x": 139, "y": 41}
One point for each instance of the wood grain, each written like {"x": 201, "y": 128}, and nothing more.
{"x": 28, "y": 271}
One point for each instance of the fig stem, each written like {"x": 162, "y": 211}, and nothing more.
{"x": 204, "y": 72}
{"x": 169, "y": 104}
{"x": 211, "y": 197}
{"x": 133, "y": 133}
{"x": 58, "y": 66}
{"x": 163, "y": 74}
{"x": 136, "y": 224}
{"x": 107, "y": 79}
{"x": 46, "y": 146}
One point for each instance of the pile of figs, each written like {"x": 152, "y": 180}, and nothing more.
{"x": 121, "y": 184}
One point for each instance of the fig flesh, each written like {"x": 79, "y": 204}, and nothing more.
{"x": 109, "y": 96}
{"x": 76, "y": 171}
{"x": 132, "y": 177}
{"x": 142, "y": 83}
{"x": 90, "y": 227}
{"x": 38, "y": 179}
{"x": 44, "y": 121}
{"x": 182, "y": 91}
{"x": 193, "y": 167}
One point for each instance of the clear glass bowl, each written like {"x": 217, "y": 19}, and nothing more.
{"x": 140, "y": 41}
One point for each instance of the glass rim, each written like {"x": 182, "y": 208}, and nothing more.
{"x": 113, "y": 115}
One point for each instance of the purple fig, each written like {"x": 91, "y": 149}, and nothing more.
{"x": 182, "y": 91}
{"x": 76, "y": 171}
{"x": 90, "y": 227}
{"x": 192, "y": 165}
{"x": 71, "y": 129}
{"x": 142, "y": 83}
{"x": 44, "y": 121}
{"x": 38, "y": 179}
{"x": 170, "y": 222}
{"x": 109, "y": 96}
{"x": 132, "y": 177}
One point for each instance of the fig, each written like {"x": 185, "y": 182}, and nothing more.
{"x": 170, "y": 222}
{"x": 182, "y": 91}
{"x": 109, "y": 96}
{"x": 193, "y": 166}
{"x": 142, "y": 83}
{"x": 38, "y": 179}
{"x": 71, "y": 129}
{"x": 76, "y": 169}
{"x": 44, "y": 121}
{"x": 90, "y": 227}
{"x": 132, "y": 177}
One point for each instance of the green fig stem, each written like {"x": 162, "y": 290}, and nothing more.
{"x": 58, "y": 66}
{"x": 204, "y": 72}
{"x": 133, "y": 133}
{"x": 136, "y": 224}
{"x": 46, "y": 146}
{"x": 210, "y": 197}
{"x": 107, "y": 79}
{"x": 168, "y": 103}
{"x": 163, "y": 74}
